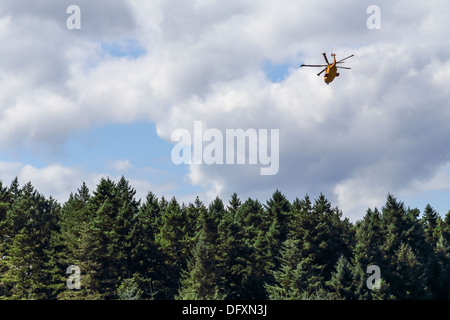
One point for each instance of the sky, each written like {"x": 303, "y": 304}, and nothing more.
{"x": 103, "y": 100}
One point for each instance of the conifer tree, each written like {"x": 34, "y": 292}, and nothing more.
{"x": 21, "y": 263}
{"x": 78, "y": 245}
{"x": 441, "y": 290}
{"x": 232, "y": 250}
{"x": 14, "y": 190}
{"x": 342, "y": 284}
{"x": 367, "y": 250}
{"x": 445, "y": 227}
{"x": 323, "y": 235}
{"x": 234, "y": 204}
{"x": 74, "y": 213}
{"x": 86, "y": 256}
{"x": 127, "y": 210}
{"x": 210, "y": 220}
{"x": 147, "y": 258}
{"x": 404, "y": 242}
{"x": 111, "y": 209}
{"x": 174, "y": 241}
{"x": 430, "y": 221}
{"x": 25, "y": 263}
{"x": 257, "y": 259}
{"x": 292, "y": 279}
{"x": 5, "y": 206}
{"x": 129, "y": 290}
{"x": 279, "y": 209}
{"x": 408, "y": 279}
{"x": 199, "y": 280}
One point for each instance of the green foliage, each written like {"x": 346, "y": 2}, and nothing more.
{"x": 129, "y": 290}
{"x": 161, "y": 249}
{"x": 294, "y": 279}
{"x": 199, "y": 281}
{"x": 342, "y": 284}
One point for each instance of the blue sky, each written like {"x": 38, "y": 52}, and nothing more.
{"x": 133, "y": 150}
{"x": 127, "y": 47}
{"x": 276, "y": 72}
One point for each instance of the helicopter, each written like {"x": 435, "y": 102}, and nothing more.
{"x": 331, "y": 69}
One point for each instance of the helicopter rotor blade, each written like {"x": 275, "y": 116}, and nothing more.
{"x": 313, "y": 65}
{"x": 321, "y": 72}
{"x": 343, "y": 68}
{"x": 325, "y": 56}
{"x": 345, "y": 58}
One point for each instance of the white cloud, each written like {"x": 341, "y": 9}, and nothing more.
{"x": 379, "y": 128}
{"x": 54, "y": 180}
{"x": 119, "y": 165}
{"x": 59, "y": 181}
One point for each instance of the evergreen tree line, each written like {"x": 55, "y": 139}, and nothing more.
{"x": 161, "y": 249}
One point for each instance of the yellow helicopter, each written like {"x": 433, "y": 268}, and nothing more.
{"x": 330, "y": 69}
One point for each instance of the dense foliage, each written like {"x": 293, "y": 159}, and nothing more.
{"x": 161, "y": 249}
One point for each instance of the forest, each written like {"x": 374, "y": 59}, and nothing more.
{"x": 240, "y": 249}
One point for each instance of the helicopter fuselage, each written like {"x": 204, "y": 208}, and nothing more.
{"x": 331, "y": 72}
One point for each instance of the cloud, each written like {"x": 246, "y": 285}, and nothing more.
{"x": 379, "y": 128}
{"x": 376, "y": 131}
{"x": 119, "y": 165}
{"x": 54, "y": 180}
{"x": 100, "y": 19}
{"x": 59, "y": 181}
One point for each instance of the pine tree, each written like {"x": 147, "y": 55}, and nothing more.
{"x": 231, "y": 251}
{"x": 129, "y": 290}
{"x": 109, "y": 213}
{"x": 323, "y": 235}
{"x": 442, "y": 288}
{"x": 14, "y": 190}
{"x": 173, "y": 232}
{"x": 128, "y": 208}
{"x": 256, "y": 259}
{"x": 367, "y": 251}
{"x": 403, "y": 232}
{"x": 408, "y": 278}
{"x": 26, "y": 266}
{"x": 21, "y": 276}
{"x": 234, "y": 204}
{"x": 5, "y": 206}
{"x": 430, "y": 221}
{"x": 199, "y": 280}
{"x": 86, "y": 256}
{"x": 175, "y": 242}
{"x": 342, "y": 284}
{"x": 79, "y": 246}
{"x": 147, "y": 258}
{"x": 445, "y": 227}
{"x": 210, "y": 220}
{"x": 279, "y": 209}
{"x": 73, "y": 215}
{"x": 432, "y": 224}
{"x": 292, "y": 280}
